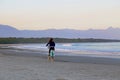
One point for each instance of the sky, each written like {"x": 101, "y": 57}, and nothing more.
{"x": 60, "y": 14}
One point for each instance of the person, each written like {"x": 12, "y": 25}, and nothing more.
{"x": 51, "y": 47}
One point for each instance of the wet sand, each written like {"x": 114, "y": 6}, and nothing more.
{"x": 31, "y": 65}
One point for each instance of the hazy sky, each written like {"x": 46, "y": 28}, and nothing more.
{"x": 59, "y": 14}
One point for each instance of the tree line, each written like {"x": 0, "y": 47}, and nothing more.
{"x": 14, "y": 40}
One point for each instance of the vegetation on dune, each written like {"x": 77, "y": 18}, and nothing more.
{"x": 13, "y": 40}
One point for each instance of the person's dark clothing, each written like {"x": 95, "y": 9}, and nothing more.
{"x": 51, "y": 46}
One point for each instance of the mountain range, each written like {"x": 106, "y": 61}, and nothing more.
{"x": 109, "y": 33}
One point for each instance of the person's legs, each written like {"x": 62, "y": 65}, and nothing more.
{"x": 49, "y": 51}
{"x": 52, "y": 58}
{"x": 52, "y": 54}
{"x": 49, "y": 54}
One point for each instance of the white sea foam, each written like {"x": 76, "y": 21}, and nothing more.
{"x": 78, "y": 49}
{"x": 67, "y": 44}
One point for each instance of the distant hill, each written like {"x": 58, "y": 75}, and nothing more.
{"x": 8, "y": 31}
{"x": 110, "y": 33}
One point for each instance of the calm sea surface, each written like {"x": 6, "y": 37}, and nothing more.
{"x": 109, "y": 48}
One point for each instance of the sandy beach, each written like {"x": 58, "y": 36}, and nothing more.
{"x": 30, "y": 65}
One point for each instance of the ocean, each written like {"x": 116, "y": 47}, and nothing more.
{"x": 101, "y": 49}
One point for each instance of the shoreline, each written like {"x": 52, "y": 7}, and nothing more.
{"x": 62, "y": 58}
{"x": 63, "y": 52}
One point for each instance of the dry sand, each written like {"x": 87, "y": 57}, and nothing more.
{"x": 18, "y": 65}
